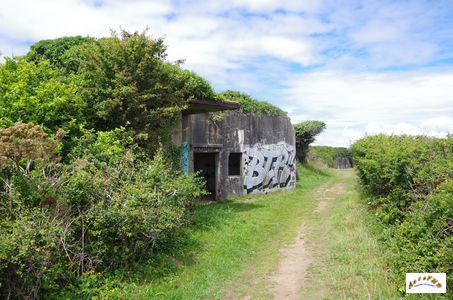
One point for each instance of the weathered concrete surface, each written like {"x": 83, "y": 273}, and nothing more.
{"x": 235, "y": 132}
{"x": 342, "y": 163}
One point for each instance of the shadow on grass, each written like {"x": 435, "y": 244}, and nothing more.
{"x": 217, "y": 214}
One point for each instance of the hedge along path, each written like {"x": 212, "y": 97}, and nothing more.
{"x": 290, "y": 278}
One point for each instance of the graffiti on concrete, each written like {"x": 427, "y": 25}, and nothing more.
{"x": 269, "y": 167}
{"x": 185, "y": 152}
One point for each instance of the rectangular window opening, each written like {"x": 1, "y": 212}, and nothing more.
{"x": 234, "y": 164}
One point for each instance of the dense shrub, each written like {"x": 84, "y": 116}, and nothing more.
{"x": 127, "y": 81}
{"x": 193, "y": 85}
{"x": 409, "y": 184}
{"x": 24, "y": 143}
{"x": 41, "y": 94}
{"x": 102, "y": 147}
{"x": 60, "y": 223}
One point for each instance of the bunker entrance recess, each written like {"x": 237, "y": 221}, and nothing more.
{"x": 206, "y": 164}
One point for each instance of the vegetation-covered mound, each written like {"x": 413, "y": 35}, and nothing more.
{"x": 251, "y": 105}
{"x": 409, "y": 184}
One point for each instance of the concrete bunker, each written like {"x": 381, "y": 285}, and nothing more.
{"x": 239, "y": 153}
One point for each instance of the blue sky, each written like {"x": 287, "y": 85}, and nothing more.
{"x": 363, "y": 67}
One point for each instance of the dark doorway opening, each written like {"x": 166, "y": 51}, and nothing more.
{"x": 234, "y": 164}
{"x": 205, "y": 163}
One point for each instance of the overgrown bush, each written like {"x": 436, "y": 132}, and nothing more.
{"x": 128, "y": 82}
{"x": 41, "y": 94}
{"x": 61, "y": 223}
{"x": 409, "y": 184}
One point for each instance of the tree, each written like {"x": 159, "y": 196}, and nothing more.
{"x": 99, "y": 84}
{"x": 127, "y": 82}
{"x": 305, "y": 135}
{"x": 58, "y": 51}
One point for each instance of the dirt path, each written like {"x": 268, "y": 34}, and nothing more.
{"x": 287, "y": 282}
{"x": 289, "y": 279}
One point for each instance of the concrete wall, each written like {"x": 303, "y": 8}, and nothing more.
{"x": 267, "y": 145}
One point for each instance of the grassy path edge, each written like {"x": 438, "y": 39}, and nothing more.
{"x": 225, "y": 237}
{"x": 234, "y": 246}
{"x": 346, "y": 261}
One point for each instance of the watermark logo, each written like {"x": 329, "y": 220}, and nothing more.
{"x": 426, "y": 283}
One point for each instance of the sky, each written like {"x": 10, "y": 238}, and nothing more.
{"x": 363, "y": 67}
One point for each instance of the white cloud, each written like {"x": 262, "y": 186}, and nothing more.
{"x": 352, "y": 103}
{"x": 219, "y": 46}
{"x": 270, "y": 5}
{"x": 34, "y": 20}
{"x": 264, "y": 46}
{"x": 215, "y": 35}
{"x": 438, "y": 126}
{"x": 10, "y": 47}
{"x": 206, "y": 40}
{"x": 253, "y": 6}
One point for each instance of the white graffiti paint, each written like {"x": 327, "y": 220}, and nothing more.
{"x": 269, "y": 167}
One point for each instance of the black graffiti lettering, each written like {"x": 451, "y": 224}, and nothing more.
{"x": 268, "y": 167}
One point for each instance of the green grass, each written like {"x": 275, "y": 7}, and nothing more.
{"x": 347, "y": 262}
{"x": 233, "y": 247}
{"x": 225, "y": 239}
{"x": 350, "y": 263}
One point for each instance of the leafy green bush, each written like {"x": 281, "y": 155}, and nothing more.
{"x": 102, "y": 147}
{"x": 41, "y": 94}
{"x": 408, "y": 181}
{"x": 63, "y": 223}
{"x": 193, "y": 85}
{"x": 424, "y": 238}
{"x": 250, "y": 105}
